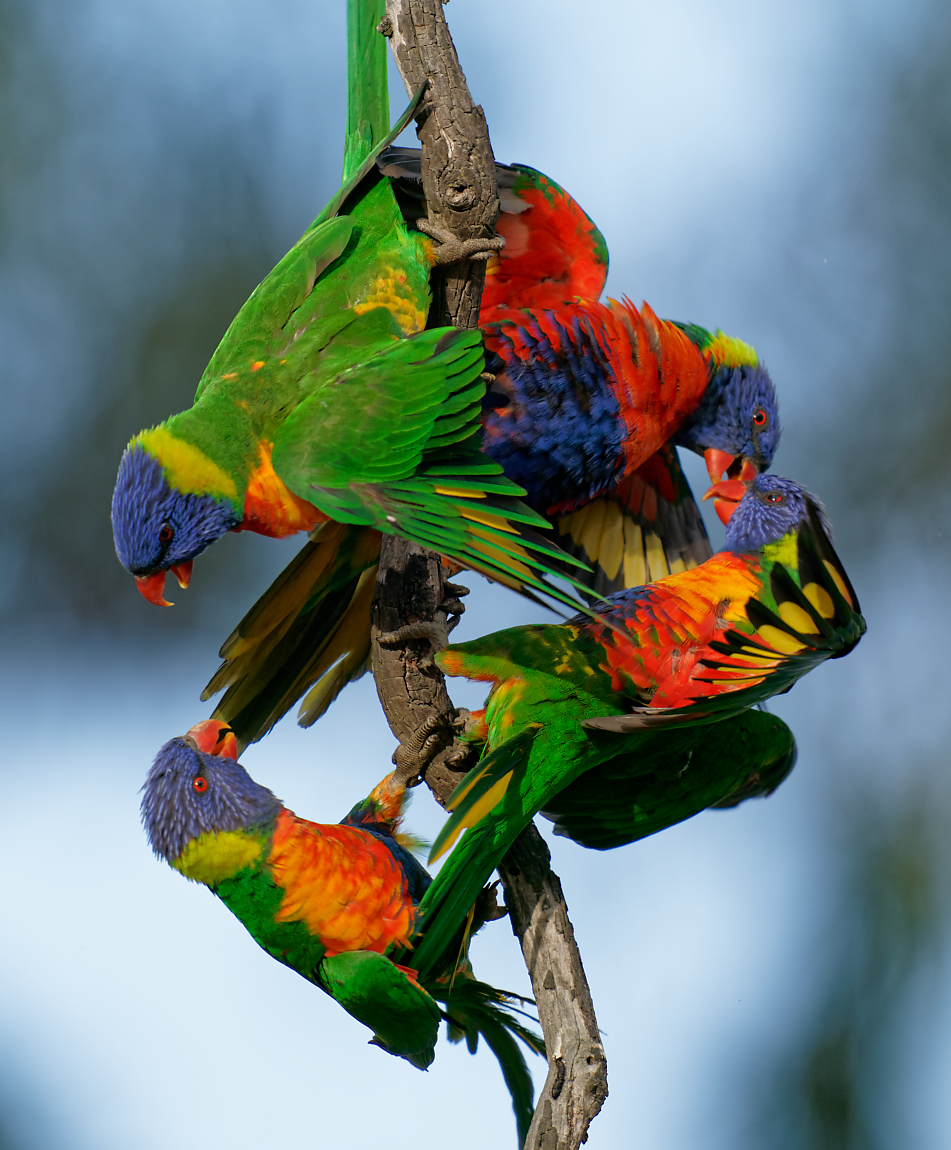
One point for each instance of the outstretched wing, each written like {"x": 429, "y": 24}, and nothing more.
{"x": 393, "y": 443}
{"x": 369, "y": 419}
{"x": 812, "y": 614}
{"x": 270, "y": 306}
{"x": 673, "y": 776}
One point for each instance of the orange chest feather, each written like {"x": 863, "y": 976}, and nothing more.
{"x": 342, "y": 883}
{"x": 270, "y": 507}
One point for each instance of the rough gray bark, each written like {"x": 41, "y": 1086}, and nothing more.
{"x": 412, "y": 599}
{"x": 577, "y": 1082}
{"x": 458, "y": 166}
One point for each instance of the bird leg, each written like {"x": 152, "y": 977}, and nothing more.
{"x": 451, "y": 250}
{"x": 435, "y": 630}
{"x": 414, "y": 754}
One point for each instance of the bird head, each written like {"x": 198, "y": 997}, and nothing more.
{"x": 160, "y": 518}
{"x": 190, "y": 792}
{"x": 767, "y": 508}
{"x": 736, "y": 427}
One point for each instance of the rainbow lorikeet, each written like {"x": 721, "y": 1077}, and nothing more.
{"x": 327, "y": 401}
{"x": 331, "y": 901}
{"x": 590, "y": 398}
{"x": 692, "y": 649}
{"x": 584, "y": 413}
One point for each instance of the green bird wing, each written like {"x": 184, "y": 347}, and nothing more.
{"x": 370, "y": 421}
{"x": 566, "y": 652}
{"x": 392, "y": 442}
{"x": 263, "y": 318}
{"x": 672, "y": 776}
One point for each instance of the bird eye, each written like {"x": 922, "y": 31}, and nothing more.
{"x": 760, "y": 418}
{"x": 200, "y": 784}
{"x": 774, "y": 497}
{"x": 166, "y": 534}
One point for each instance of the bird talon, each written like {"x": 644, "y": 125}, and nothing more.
{"x": 458, "y": 718}
{"x": 451, "y": 250}
{"x": 435, "y": 630}
{"x": 414, "y": 754}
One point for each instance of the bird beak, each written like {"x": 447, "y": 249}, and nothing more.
{"x": 152, "y": 587}
{"x": 726, "y": 495}
{"x": 717, "y": 462}
{"x": 213, "y": 737}
{"x": 182, "y": 572}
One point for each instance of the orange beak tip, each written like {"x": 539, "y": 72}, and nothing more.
{"x": 730, "y": 489}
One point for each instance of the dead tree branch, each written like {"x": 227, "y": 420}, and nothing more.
{"x": 462, "y": 202}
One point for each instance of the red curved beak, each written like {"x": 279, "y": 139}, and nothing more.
{"x": 717, "y": 462}
{"x": 214, "y": 737}
{"x": 726, "y": 495}
{"x": 183, "y": 572}
{"x": 152, "y": 587}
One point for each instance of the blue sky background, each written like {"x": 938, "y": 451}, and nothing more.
{"x": 771, "y": 976}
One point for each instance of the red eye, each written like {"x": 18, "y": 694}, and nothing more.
{"x": 760, "y": 418}
{"x": 167, "y": 534}
{"x": 200, "y": 784}
{"x": 774, "y": 497}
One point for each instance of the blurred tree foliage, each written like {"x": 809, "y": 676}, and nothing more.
{"x": 887, "y": 449}
{"x": 140, "y": 213}
{"x": 853, "y": 1073}
{"x": 848, "y": 1077}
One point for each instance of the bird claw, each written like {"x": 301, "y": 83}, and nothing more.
{"x": 435, "y": 630}
{"x": 452, "y": 605}
{"x": 414, "y": 754}
{"x": 451, "y": 250}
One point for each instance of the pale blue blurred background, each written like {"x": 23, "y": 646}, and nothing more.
{"x": 771, "y": 977}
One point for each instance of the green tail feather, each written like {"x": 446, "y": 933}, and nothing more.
{"x": 311, "y": 626}
{"x": 455, "y": 889}
{"x": 368, "y": 104}
{"x": 475, "y": 1009}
